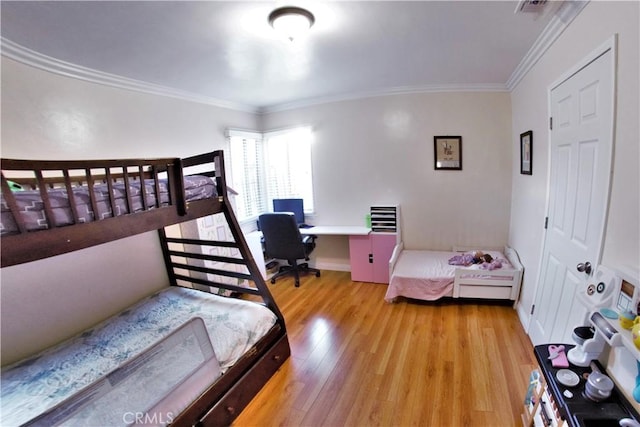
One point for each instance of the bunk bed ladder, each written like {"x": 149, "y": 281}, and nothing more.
{"x": 178, "y": 251}
{"x": 181, "y": 268}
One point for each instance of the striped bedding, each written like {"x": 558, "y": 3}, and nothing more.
{"x": 32, "y": 208}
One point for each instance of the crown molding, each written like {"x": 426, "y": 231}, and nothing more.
{"x": 404, "y": 90}
{"x": 559, "y": 22}
{"x": 32, "y": 58}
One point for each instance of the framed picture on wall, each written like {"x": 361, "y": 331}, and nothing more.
{"x": 447, "y": 152}
{"x": 526, "y": 153}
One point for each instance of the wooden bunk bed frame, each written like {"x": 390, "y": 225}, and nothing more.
{"x": 223, "y": 400}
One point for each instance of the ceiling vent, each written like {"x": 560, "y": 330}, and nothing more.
{"x": 530, "y": 6}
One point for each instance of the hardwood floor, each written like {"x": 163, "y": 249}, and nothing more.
{"x": 359, "y": 361}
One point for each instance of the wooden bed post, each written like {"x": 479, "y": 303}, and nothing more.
{"x": 167, "y": 257}
{"x": 221, "y": 175}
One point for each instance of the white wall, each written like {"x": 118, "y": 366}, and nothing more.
{"x": 46, "y": 116}
{"x": 375, "y": 150}
{"x": 380, "y": 150}
{"x": 49, "y": 116}
{"x": 595, "y": 25}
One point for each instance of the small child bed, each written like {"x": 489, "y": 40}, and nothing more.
{"x": 184, "y": 355}
{"x": 428, "y": 276}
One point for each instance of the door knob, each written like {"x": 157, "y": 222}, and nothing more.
{"x": 584, "y": 267}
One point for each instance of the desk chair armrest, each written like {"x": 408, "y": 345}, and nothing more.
{"x": 309, "y": 243}
{"x": 309, "y": 238}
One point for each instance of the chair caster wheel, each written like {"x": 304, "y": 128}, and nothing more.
{"x": 297, "y": 284}
{"x": 318, "y": 274}
{"x": 273, "y": 281}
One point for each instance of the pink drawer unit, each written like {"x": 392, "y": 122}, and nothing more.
{"x": 370, "y": 256}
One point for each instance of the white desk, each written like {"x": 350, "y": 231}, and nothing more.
{"x": 255, "y": 244}
{"x": 336, "y": 230}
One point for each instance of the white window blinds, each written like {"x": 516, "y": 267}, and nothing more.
{"x": 247, "y": 174}
{"x": 288, "y": 166}
{"x": 270, "y": 166}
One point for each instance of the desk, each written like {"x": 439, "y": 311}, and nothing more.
{"x": 254, "y": 239}
{"x": 369, "y": 253}
{"x": 336, "y": 230}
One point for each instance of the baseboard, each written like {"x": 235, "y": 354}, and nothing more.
{"x": 333, "y": 265}
{"x": 524, "y": 317}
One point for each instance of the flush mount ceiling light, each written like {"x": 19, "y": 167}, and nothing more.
{"x": 290, "y": 21}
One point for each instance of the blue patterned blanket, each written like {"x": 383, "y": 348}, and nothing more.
{"x": 32, "y": 386}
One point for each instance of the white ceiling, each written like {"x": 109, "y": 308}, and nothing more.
{"x": 226, "y": 52}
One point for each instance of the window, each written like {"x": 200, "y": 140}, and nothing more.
{"x": 245, "y": 152}
{"x": 270, "y": 166}
{"x": 288, "y": 166}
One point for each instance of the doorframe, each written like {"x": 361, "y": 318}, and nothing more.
{"x": 611, "y": 44}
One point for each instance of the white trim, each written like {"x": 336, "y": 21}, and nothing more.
{"x": 242, "y": 133}
{"x": 610, "y": 44}
{"x": 32, "y": 58}
{"x": 523, "y": 315}
{"x": 331, "y": 264}
{"x": 285, "y": 130}
{"x": 498, "y": 87}
{"x": 559, "y": 22}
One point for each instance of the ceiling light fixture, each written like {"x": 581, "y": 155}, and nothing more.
{"x": 292, "y": 22}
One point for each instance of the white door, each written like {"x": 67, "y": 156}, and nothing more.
{"x": 580, "y": 165}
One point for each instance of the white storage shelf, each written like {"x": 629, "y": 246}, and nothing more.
{"x": 384, "y": 218}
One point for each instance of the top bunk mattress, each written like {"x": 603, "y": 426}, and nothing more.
{"x": 427, "y": 275}
{"x": 34, "y": 385}
{"x": 32, "y": 210}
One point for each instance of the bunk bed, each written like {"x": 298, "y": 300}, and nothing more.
{"x": 431, "y": 275}
{"x": 55, "y": 207}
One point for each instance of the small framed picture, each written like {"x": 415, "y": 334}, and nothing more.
{"x": 447, "y": 152}
{"x": 526, "y": 153}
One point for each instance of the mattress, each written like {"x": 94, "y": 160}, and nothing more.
{"x": 32, "y": 386}
{"x": 427, "y": 275}
{"x": 143, "y": 390}
{"x": 32, "y": 208}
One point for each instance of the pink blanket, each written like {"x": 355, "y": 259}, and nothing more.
{"x": 421, "y": 277}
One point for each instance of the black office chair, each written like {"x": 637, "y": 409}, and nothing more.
{"x": 282, "y": 240}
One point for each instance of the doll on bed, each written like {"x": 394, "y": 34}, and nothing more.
{"x": 486, "y": 261}
{"x": 480, "y": 257}
{"x": 475, "y": 257}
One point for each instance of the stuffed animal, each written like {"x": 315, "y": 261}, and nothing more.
{"x": 480, "y": 257}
